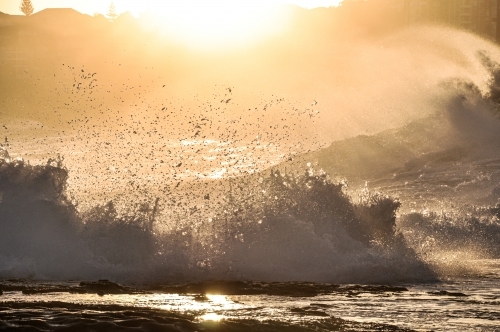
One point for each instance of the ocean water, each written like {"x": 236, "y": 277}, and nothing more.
{"x": 391, "y": 230}
{"x": 466, "y": 304}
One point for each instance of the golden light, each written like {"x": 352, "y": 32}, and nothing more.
{"x": 211, "y": 316}
{"x": 214, "y": 24}
{"x": 219, "y": 299}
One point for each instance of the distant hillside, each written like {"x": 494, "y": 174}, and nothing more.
{"x": 61, "y": 20}
{"x": 365, "y": 157}
{"x": 462, "y": 133}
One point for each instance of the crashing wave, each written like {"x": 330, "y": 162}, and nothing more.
{"x": 278, "y": 227}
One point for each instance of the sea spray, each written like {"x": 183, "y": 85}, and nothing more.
{"x": 276, "y": 227}
{"x": 453, "y": 240}
{"x": 39, "y": 226}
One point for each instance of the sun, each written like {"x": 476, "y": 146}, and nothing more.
{"x": 221, "y": 19}
{"x": 218, "y": 23}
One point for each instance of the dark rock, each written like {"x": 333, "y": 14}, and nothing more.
{"x": 309, "y": 312}
{"x": 321, "y": 305}
{"x": 36, "y": 287}
{"x": 104, "y": 286}
{"x": 446, "y": 293}
{"x": 373, "y": 289}
{"x": 292, "y": 289}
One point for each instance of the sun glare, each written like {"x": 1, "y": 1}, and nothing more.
{"x": 219, "y": 23}
{"x": 218, "y": 299}
{"x": 211, "y": 316}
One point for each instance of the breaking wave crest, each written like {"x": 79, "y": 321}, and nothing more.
{"x": 275, "y": 227}
{"x": 451, "y": 241}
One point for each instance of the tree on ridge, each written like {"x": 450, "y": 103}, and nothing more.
{"x": 26, "y": 7}
{"x": 112, "y": 12}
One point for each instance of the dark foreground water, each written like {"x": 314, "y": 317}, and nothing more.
{"x": 463, "y": 304}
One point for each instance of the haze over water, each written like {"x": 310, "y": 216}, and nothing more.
{"x": 225, "y": 178}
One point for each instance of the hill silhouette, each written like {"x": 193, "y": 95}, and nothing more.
{"x": 61, "y": 20}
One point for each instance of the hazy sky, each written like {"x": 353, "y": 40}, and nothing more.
{"x": 138, "y": 6}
